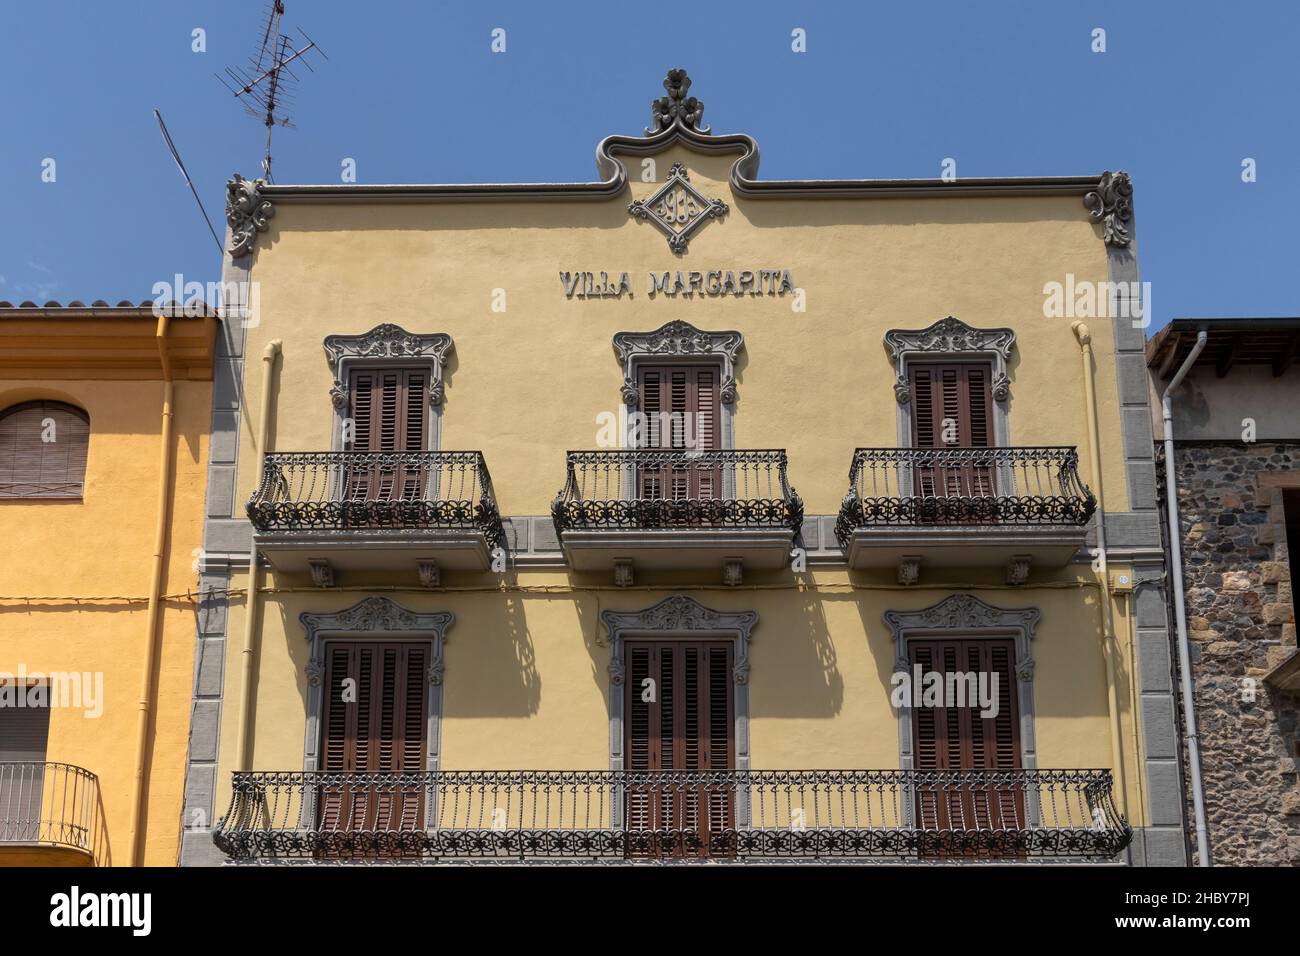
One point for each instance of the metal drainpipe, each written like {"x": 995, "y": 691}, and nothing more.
{"x": 243, "y": 755}
{"x": 148, "y": 689}
{"x": 1180, "y": 608}
{"x": 1109, "y": 647}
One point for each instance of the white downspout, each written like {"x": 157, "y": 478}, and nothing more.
{"x": 1180, "y": 609}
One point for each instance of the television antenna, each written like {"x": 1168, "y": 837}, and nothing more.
{"x": 266, "y": 86}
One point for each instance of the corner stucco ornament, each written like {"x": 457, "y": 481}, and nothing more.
{"x": 678, "y": 339}
{"x": 1111, "y": 204}
{"x": 247, "y": 212}
{"x": 384, "y": 342}
{"x": 678, "y": 208}
{"x": 950, "y": 336}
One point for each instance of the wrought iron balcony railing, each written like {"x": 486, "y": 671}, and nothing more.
{"x": 376, "y": 491}
{"x": 964, "y": 486}
{"x": 48, "y": 804}
{"x": 649, "y": 488}
{"x": 634, "y": 815}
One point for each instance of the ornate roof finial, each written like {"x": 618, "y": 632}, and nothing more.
{"x": 676, "y": 109}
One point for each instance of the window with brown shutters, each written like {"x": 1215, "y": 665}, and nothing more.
{"x": 680, "y": 405}
{"x": 954, "y": 736}
{"x": 43, "y": 447}
{"x": 679, "y": 717}
{"x": 374, "y": 722}
{"x": 389, "y": 411}
{"x": 952, "y": 407}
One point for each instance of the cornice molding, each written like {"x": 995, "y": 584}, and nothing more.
{"x": 382, "y": 343}
{"x": 678, "y": 339}
{"x": 248, "y": 212}
{"x": 950, "y": 336}
{"x": 1111, "y": 204}
{"x": 678, "y": 123}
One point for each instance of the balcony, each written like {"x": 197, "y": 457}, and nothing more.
{"x": 964, "y": 507}
{"x": 661, "y": 816}
{"x": 652, "y": 509}
{"x": 367, "y": 511}
{"x": 49, "y": 814}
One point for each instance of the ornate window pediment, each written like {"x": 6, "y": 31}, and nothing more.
{"x": 678, "y": 339}
{"x": 387, "y": 343}
{"x": 950, "y": 337}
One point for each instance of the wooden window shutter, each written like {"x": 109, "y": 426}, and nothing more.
{"x": 943, "y": 395}
{"x": 390, "y": 409}
{"x": 32, "y": 466}
{"x": 381, "y": 730}
{"x": 687, "y": 725}
{"x": 958, "y": 738}
{"x": 681, "y": 405}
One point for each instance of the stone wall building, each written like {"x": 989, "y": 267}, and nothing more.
{"x": 1236, "y": 449}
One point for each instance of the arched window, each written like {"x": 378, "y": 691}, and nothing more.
{"x": 43, "y": 450}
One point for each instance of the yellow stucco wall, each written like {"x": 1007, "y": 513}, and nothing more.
{"x": 91, "y": 554}
{"x": 527, "y": 384}
{"x": 525, "y": 682}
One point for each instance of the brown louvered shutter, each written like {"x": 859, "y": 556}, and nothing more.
{"x": 381, "y": 732}
{"x": 43, "y": 448}
{"x": 957, "y": 738}
{"x": 958, "y": 393}
{"x": 952, "y": 400}
{"x": 389, "y": 411}
{"x": 681, "y": 406}
{"x": 685, "y": 726}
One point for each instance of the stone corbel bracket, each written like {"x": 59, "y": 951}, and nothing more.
{"x": 247, "y": 213}
{"x": 950, "y": 337}
{"x": 678, "y": 340}
{"x": 385, "y": 343}
{"x": 1111, "y": 204}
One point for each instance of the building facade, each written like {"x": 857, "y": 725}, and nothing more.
{"x": 638, "y": 518}
{"x": 104, "y": 414}
{"x": 1236, "y": 446}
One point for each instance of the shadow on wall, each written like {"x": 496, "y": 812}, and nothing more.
{"x": 502, "y": 678}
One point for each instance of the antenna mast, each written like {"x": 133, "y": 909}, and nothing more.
{"x": 266, "y": 85}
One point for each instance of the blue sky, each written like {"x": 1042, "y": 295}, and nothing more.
{"x": 411, "y": 90}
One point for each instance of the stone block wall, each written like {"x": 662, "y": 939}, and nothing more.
{"x": 1241, "y": 623}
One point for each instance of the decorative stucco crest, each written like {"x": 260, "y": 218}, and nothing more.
{"x": 676, "y": 109}
{"x": 679, "y": 614}
{"x": 1111, "y": 204}
{"x": 950, "y": 336}
{"x": 383, "y": 342}
{"x": 677, "y": 208}
{"x": 377, "y": 615}
{"x": 247, "y": 212}
{"x": 962, "y": 612}
{"x": 678, "y": 339}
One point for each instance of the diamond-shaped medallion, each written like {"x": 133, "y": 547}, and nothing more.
{"x": 678, "y": 208}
